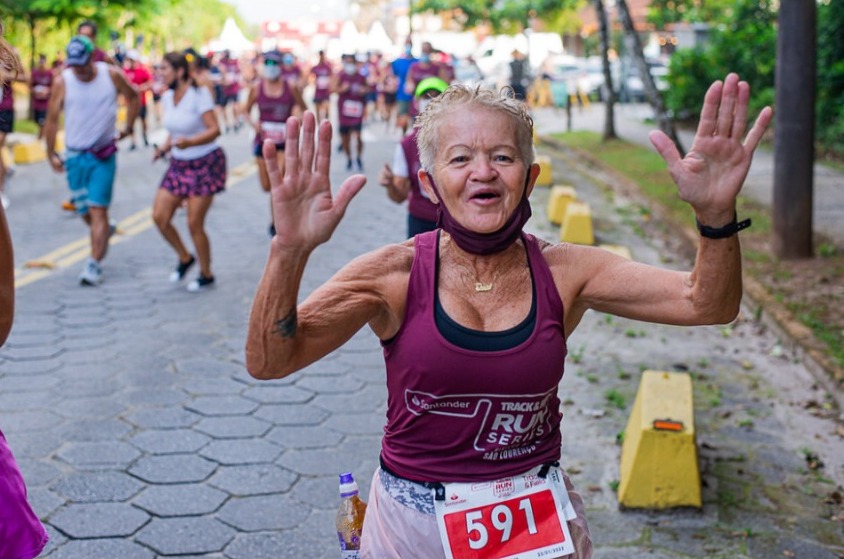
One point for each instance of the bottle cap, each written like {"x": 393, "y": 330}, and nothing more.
{"x": 348, "y": 485}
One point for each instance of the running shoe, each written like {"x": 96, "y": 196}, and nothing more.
{"x": 360, "y": 164}
{"x": 91, "y": 274}
{"x": 271, "y": 230}
{"x": 201, "y": 283}
{"x": 179, "y": 273}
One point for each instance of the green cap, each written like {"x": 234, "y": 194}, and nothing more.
{"x": 430, "y": 84}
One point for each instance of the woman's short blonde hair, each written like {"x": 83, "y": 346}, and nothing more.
{"x": 461, "y": 97}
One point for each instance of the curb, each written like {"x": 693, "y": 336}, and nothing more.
{"x": 801, "y": 340}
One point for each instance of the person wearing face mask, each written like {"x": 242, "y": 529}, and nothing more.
{"x": 321, "y": 74}
{"x": 473, "y": 318}
{"x": 197, "y": 170}
{"x": 291, "y": 72}
{"x": 402, "y": 179}
{"x": 399, "y": 68}
{"x": 351, "y": 87}
{"x": 423, "y": 68}
{"x": 277, "y": 99}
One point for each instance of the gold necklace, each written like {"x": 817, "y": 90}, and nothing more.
{"x": 482, "y": 287}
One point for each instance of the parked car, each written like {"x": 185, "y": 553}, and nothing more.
{"x": 634, "y": 88}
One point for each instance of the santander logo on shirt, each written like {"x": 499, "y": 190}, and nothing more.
{"x": 510, "y": 425}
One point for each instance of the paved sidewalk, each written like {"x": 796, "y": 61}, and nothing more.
{"x": 631, "y": 125}
{"x": 141, "y": 435}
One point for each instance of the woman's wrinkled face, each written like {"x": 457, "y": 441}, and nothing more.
{"x": 479, "y": 171}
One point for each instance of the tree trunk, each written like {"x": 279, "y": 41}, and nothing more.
{"x": 794, "y": 142}
{"x": 31, "y": 60}
{"x": 609, "y": 89}
{"x": 666, "y": 124}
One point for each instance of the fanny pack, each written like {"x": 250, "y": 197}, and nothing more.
{"x": 103, "y": 152}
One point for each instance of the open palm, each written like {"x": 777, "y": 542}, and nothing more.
{"x": 305, "y": 212}
{"x": 712, "y": 173}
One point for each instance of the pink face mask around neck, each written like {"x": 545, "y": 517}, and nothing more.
{"x": 484, "y": 243}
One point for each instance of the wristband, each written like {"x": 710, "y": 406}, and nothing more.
{"x": 722, "y": 232}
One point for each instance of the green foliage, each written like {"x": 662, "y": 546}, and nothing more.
{"x": 664, "y": 12}
{"x": 504, "y": 16}
{"x": 742, "y": 41}
{"x": 829, "y": 112}
{"x": 36, "y": 26}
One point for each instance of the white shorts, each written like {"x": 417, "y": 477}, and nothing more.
{"x": 393, "y": 530}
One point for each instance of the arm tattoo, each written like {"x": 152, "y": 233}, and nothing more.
{"x": 286, "y": 327}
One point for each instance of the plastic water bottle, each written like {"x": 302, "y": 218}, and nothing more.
{"x": 350, "y": 515}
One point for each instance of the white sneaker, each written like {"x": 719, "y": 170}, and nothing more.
{"x": 4, "y": 200}
{"x": 91, "y": 273}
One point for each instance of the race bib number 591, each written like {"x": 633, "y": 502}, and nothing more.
{"x": 529, "y": 523}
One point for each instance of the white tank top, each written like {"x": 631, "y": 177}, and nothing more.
{"x": 90, "y": 109}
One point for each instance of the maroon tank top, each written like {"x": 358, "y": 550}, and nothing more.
{"x": 351, "y": 103}
{"x": 459, "y": 415}
{"x": 418, "y": 204}
{"x": 273, "y": 109}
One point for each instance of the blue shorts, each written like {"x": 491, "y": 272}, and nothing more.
{"x": 91, "y": 180}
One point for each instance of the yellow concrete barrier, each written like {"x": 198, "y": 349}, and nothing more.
{"x": 558, "y": 201}
{"x": 659, "y": 467}
{"x": 577, "y": 224}
{"x": 29, "y": 152}
{"x": 620, "y": 250}
{"x": 545, "y": 175}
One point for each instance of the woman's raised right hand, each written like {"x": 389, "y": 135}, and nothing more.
{"x": 304, "y": 209}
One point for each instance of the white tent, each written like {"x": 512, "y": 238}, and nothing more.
{"x": 232, "y": 39}
{"x": 377, "y": 39}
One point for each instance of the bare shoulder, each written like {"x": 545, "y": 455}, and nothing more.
{"x": 381, "y": 263}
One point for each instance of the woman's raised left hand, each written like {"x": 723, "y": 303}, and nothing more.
{"x": 712, "y": 173}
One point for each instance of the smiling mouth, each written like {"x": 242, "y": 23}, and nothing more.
{"x": 484, "y": 196}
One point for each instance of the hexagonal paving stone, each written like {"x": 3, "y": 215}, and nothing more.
{"x": 169, "y": 441}
{"x": 175, "y": 468}
{"x": 162, "y": 418}
{"x": 95, "y": 430}
{"x": 258, "y": 479}
{"x": 265, "y": 512}
{"x": 37, "y": 472}
{"x": 99, "y": 520}
{"x": 114, "y": 454}
{"x": 276, "y": 394}
{"x": 16, "y": 401}
{"x": 19, "y": 383}
{"x": 43, "y": 501}
{"x": 30, "y": 421}
{"x": 233, "y": 427}
{"x": 213, "y": 386}
{"x": 368, "y": 399}
{"x": 180, "y": 500}
{"x": 208, "y": 368}
{"x": 304, "y": 437}
{"x": 87, "y": 549}
{"x": 357, "y": 423}
{"x": 221, "y": 405}
{"x": 33, "y": 353}
{"x": 90, "y": 487}
{"x": 241, "y": 451}
{"x": 273, "y": 545}
{"x": 294, "y": 414}
{"x": 316, "y": 461}
{"x": 182, "y": 536}
{"x": 90, "y": 407}
{"x": 330, "y": 385}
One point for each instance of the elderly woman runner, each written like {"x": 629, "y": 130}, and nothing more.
{"x": 474, "y": 317}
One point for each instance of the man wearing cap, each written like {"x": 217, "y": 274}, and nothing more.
{"x": 402, "y": 180}
{"x": 87, "y": 91}
{"x": 141, "y": 78}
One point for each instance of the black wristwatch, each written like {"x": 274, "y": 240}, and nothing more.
{"x": 728, "y": 230}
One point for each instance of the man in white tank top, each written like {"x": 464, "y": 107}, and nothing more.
{"x": 87, "y": 91}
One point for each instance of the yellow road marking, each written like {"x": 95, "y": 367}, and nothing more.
{"x": 128, "y": 227}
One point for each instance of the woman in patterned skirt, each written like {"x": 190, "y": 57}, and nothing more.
{"x": 197, "y": 167}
